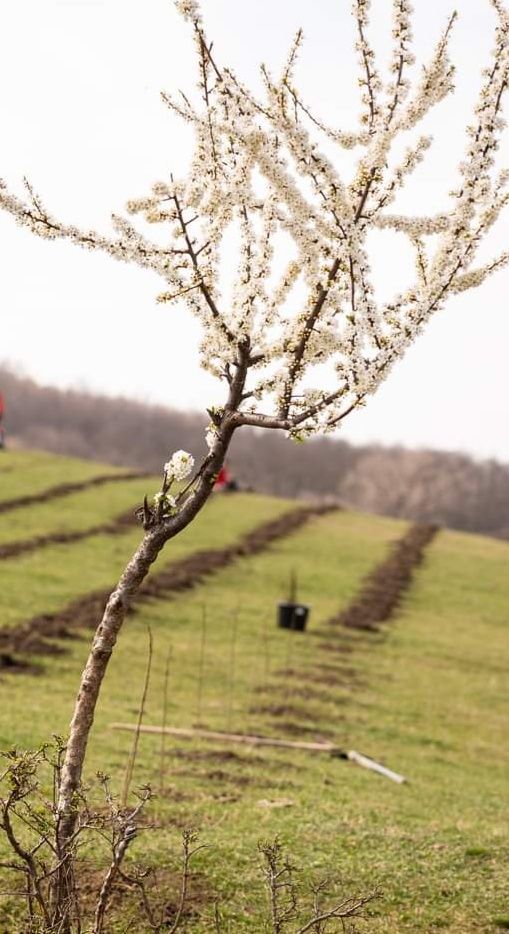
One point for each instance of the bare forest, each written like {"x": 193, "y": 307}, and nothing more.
{"x": 425, "y": 485}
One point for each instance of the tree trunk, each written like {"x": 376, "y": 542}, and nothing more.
{"x": 102, "y": 648}
{"x": 63, "y": 898}
{"x": 83, "y": 718}
{"x": 93, "y": 674}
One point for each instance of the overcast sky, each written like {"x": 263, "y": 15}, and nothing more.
{"x": 83, "y": 119}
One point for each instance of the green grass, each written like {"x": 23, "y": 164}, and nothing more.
{"x": 42, "y": 581}
{"x": 77, "y": 511}
{"x": 24, "y": 473}
{"x": 427, "y": 696}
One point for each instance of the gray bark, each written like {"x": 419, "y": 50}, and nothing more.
{"x": 107, "y": 633}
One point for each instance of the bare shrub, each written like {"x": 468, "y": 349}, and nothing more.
{"x": 319, "y": 908}
{"x": 28, "y": 819}
{"x": 153, "y": 898}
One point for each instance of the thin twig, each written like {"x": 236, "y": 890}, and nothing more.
{"x": 201, "y": 666}
{"x": 134, "y": 751}
{"x": 188, "y": 838}
{"x": 231, "y": 668}
{"x": 165, "y": 718}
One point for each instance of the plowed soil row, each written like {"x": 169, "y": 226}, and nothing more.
{"x": 32, "y": 637}
{"x": 382, "y": 590}
{"x": 63, "y": 489}
{"x": 115, "y": 527}
{"x": 380, "y": 593}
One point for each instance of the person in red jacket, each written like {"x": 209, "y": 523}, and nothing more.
{"x": 225, "y": 482}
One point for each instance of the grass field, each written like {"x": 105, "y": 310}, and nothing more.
{"x": 76, "y": 511}
{"x": 22, "y": 474}
{"x": 427, "y": 695}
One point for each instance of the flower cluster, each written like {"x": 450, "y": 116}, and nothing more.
{"x": 189, "y": 9}
{"x": 301, "y": 293}
{"x": 211, "y": 436}
{"x": 179, "y": 465}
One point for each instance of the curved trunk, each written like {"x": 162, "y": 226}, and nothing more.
{"x": 102, "y": 647}
{"x": 63, "y": 894}
{"x": 93, "y": 675}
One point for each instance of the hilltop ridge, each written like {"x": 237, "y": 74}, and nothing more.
{"x": 429, "y": 486}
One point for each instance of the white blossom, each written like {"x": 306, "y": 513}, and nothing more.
{"x": 179, "y": 465}
{"x": 302, "y": 294}
{"x": 211, "y": 436}
{"x": 189, "y": 9}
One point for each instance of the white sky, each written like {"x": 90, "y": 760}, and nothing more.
{"x": 82, "y": 118}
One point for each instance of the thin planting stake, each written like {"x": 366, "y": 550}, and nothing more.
{"x": 165, "y": 716}
{"x": 131, "y": 761}
{"x": 232, "y": 665}
{"x": 201, "y": 665}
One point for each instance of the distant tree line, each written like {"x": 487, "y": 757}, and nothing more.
{"x": 120, "y": 431}
{"x": 430, "y": 486}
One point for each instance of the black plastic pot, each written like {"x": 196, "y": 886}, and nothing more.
{"x": 293, "y": 616}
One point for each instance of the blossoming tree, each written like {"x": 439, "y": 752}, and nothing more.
{"x": 302, "y": 295}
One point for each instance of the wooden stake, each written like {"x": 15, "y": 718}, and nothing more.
{"x": 247, "y": 740}
{"x": 165, "y": 716}
{"x": 266, "y": 652}
{"x": 131, "y": 761}
{"x": 231, "y": 668}
{"x": 201, "y": 665}
{"x": 196, "y": 733}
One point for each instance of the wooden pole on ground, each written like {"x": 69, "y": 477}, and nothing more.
{"x": 184, "y": 733}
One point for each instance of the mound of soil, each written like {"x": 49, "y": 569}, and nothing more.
{"x": 116, "y": 526}
{"x": 63, "y": 489}
{"x": 32, "y": 636}
{"x": 382, "y": 590}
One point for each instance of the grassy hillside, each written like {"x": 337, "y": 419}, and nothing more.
{"x": 25, "y": 473}
{"x": 426, "y": 695}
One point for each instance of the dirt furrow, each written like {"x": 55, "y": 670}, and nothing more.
{"x": 116, "y": 526}
{"x": 379, "y": 595}
{"x": 32, "y": 636}
{"x": 382, "y": 590}
{"x": 64, "y": 489}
